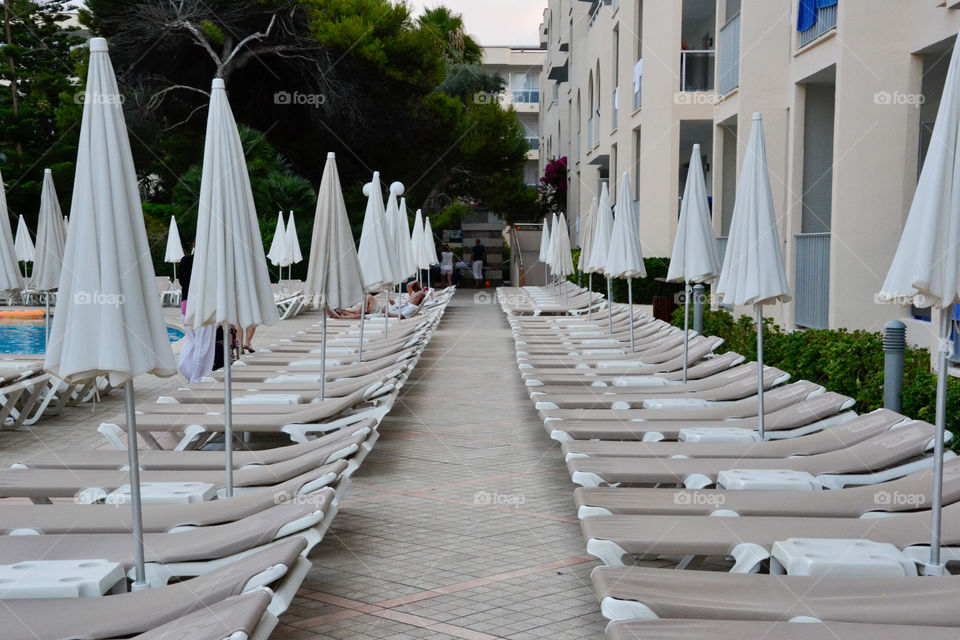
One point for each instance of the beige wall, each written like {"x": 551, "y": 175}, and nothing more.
{"x": 875, "y": 51}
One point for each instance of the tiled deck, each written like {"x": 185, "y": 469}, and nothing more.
{"x": 460, "y": 524}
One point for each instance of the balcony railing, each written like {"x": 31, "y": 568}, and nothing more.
{"x": 728, "y": 56}
{"x": 813, "y": 280}
{"x": 533, "y": 142}
{"x": 526, "y": 96}
{"x": 826, "y": 21}
{"x": 616, "y": 110}
{"x": 696, "y": 70}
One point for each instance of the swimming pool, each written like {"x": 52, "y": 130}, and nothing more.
{"x": 26, "y": 336}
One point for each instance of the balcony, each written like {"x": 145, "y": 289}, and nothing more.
{"x": 533, "y": 142}
{"x": 525, "y": 96}
{"x": 559, "y": 68}
{"x": 813, "y": 280}
{"x": 825, "y": 20}
{"x": 696, "y": 70}
{"x": 728, "y": 57}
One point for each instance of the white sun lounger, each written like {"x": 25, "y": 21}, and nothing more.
{"x": 280, "y": 567}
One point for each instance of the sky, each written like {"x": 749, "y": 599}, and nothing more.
{"x": 490, "y": 22}
{"x": 495, "y": 22}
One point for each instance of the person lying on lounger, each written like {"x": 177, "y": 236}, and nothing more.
{"x": 354, "y": 312}
{"x": 406, "y": 309}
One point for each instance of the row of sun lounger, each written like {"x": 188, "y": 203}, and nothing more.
{"x": 220, "y": 568}
{"x": 825, "y": 521}
{"x": 28, "y": 394}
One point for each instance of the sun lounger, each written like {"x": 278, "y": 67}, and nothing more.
{"x": 748, "y": 540}
{"x": 280, "y": 567}
{"x": 152, "y": 460}
{"x": 236, "y": 618}
{"x": 806, "y": 416}
{"x": 633, "y": 592}
{"x": 723, "y": 387}
{"x": 882, "y": 457}
{"x": 74, "y": 518}
{"x": 182, "y": 554}
{"x": 307, "y": 389}
{"x": 852, "y": 502}
{"x": 573, "y": 378}
{"x": 699, "y": 348}
{"x": 303, "y": 421}
{"x": 311, "y": 366}
{"x": 272, "y": 402}
{"x": 691, "y": 410}
{"x": 95, "y": 484}
{"x": 768, "y": 630}
{"x": 832, "y": 439}
{"x": 659, "y": 355}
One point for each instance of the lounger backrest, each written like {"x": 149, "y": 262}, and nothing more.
{"x": 227, "y": 620}
{"x": 810, "y": 410}
{"x": 878, "y": 452}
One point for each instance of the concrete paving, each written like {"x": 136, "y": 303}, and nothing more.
{"x": 460, "y": 524}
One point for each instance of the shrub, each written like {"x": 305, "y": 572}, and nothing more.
{"x": 644, "y": 289}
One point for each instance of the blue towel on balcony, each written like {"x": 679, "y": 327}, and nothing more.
{"x": 807, "y": 15}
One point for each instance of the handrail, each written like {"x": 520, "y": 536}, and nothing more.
{"x": 515, "y": 253}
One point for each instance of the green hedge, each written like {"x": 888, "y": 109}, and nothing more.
{"x": 847, "y": 362}
{"x": 644, "y": 289}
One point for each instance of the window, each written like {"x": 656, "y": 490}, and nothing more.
{"x": 525, "y": 88}
{"x": 531, "y": 131}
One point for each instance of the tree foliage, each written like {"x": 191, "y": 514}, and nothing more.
{"x": 361, "y": 78}
{"x": 40, "y": 102}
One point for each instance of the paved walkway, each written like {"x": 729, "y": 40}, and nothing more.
{"x": 460, "y": 523}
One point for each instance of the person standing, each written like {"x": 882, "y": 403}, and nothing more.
{"x": 196, "y": 356}
{"x": 478, "y": 257}
{"x": 446, "y": 266}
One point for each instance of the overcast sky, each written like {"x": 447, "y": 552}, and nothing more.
{"x": 493, "y": 22}
{"x": 490, "y": 22}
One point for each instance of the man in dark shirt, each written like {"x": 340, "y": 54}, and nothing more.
{"x": 478, "y": 256}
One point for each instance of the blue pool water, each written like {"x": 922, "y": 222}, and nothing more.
{"x": 26, "y": 336}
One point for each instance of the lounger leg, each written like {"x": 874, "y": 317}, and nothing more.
{"x": 615, "y": 609}
{"x": 609, "y": 552}
{"x": 748, "y": 557}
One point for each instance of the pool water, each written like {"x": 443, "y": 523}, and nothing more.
{"x": 26, "y": 336}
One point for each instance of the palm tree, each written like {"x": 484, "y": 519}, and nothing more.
{"x": 448, "y": 29}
